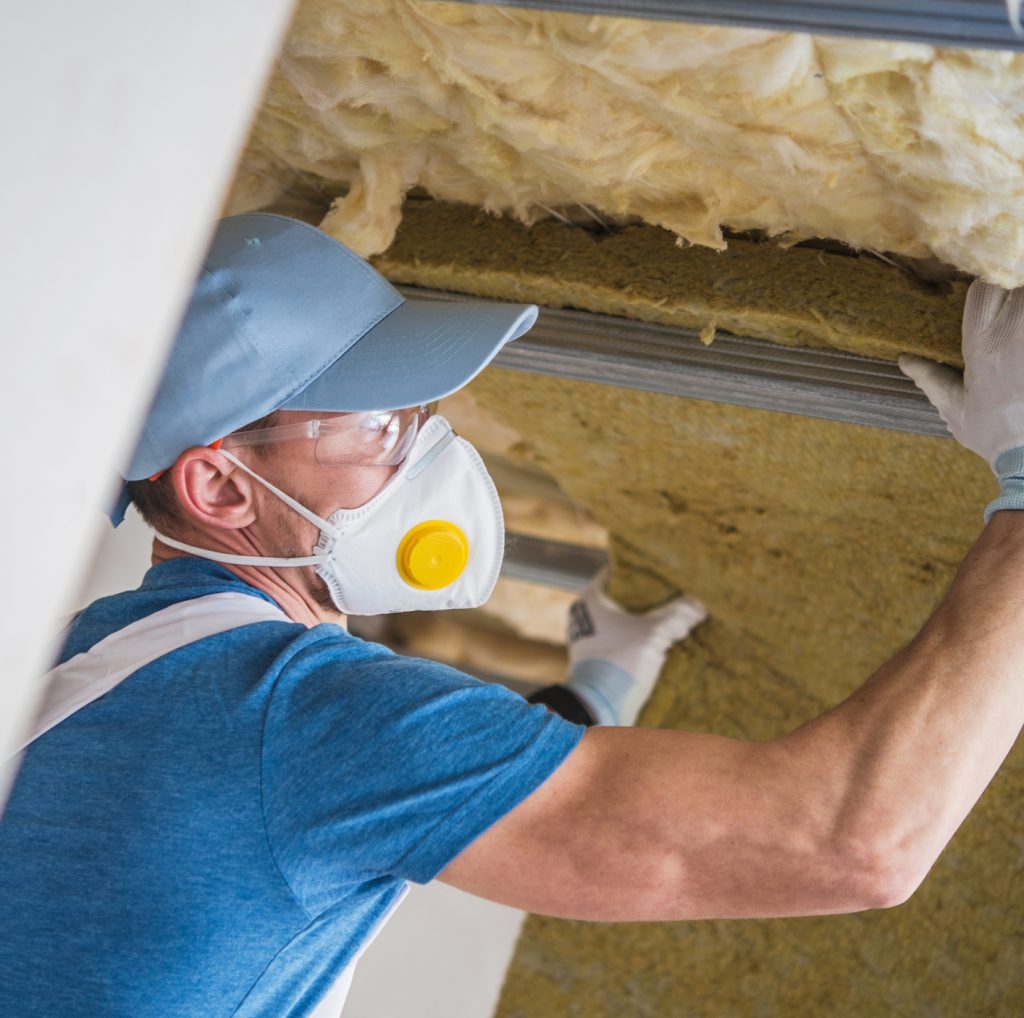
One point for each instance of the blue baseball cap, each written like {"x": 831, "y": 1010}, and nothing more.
{"x": 285, "y": 317}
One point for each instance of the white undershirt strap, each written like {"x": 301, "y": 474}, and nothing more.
{"x": 89, "y": 675}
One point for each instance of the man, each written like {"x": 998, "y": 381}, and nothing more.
{"x": 226, "y": 793}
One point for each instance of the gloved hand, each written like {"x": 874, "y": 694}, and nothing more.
{"x": 615, "y": 656}
{"x": 984, "y": 407}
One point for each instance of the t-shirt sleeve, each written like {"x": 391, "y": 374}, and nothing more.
{"x": 390, "y": 765}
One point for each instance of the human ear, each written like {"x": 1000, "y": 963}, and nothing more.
{"x": 212, "y": 490}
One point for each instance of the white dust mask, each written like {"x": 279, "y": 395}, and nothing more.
{"x": 431, "y": 538}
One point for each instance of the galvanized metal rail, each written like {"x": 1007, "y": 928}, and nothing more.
{"x": 809, "y": 382}
{"x": 552, "y": 563}
{"x": 975, "y": 23}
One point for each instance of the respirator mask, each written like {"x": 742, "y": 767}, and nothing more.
{"x": 431, "y": 538}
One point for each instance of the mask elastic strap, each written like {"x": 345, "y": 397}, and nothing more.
{"x": 317, "y": 521}
{"x": 258, "y": 560}
{"x": 242, "y": 560}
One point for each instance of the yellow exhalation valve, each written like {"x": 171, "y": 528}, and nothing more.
{"x": 432, "y": 555}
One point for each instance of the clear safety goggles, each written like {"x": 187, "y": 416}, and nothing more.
{"x": 361, "y": 438}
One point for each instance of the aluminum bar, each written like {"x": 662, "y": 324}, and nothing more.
{"x": 807, "y": 381}
{"x": 981, "y": 24}
{"x": 549, "y": 562}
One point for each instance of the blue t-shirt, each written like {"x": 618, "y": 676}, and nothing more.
{"x": 219, "y": 833}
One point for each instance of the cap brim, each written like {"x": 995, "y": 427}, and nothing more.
{"x": 421, "y": 351}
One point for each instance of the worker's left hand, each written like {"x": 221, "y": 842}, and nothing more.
{"x": 615, "y": 655}
{"x": 984, "y": 406}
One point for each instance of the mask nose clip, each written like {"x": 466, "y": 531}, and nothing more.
{"x": 431, "y": 454}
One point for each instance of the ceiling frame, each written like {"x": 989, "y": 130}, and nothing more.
{"x": 980, "y": 24}
{"x": 807, "y": 381}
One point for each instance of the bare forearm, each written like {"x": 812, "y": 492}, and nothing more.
{"x": 906, "y": 757}
{"x": 844, "y": 814}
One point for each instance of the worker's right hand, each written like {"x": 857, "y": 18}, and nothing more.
{"x": 983, "y": 407}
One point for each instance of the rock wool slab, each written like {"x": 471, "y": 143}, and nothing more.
{"x": 799, "y": 296}
{"x": 819, "y": 549}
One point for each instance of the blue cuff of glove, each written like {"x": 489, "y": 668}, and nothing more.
{"x": 602, "y": 686}
{"x": 1010, "y": 468}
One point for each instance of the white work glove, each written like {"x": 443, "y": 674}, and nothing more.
{"x": 615, "y": 656}
{"x": 984, "y": 407}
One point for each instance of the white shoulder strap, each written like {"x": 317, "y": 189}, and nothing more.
{"x": 87, "y": 676}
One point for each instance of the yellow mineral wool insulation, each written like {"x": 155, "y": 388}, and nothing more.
{"x": 532, "y": 611}
{"x": 483, "y": 429}
{"x": 799, "y": 295}
{"x": 531, "y": 500}
{"x": 883, "y": 145}
{"x": 544, "y": 515}
{"x": 819, "y": 548}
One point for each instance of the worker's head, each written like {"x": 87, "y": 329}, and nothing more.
{"x": 295, "y": 390}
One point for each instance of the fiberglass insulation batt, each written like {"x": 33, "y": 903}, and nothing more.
{"x": 893, "y": 146}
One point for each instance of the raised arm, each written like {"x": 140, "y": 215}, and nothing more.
{"x": 848, "y": 812}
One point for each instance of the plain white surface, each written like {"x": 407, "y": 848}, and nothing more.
{"x": 122, "y": 120}
{"x": 443, "y": 955}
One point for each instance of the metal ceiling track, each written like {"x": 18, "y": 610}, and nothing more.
{"x": 807, "y": 381}
{"x": 983, "y": 24}
{"x": 549, "y": 562}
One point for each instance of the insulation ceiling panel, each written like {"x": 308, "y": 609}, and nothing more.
{"x": 819, "y": 548}
{"x": 890, "y": 146}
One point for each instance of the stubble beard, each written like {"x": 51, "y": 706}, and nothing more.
{"x": 322, "y": 596}
{"x": 301, "y": 546}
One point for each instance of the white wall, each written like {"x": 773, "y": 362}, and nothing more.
{"x": 444, "y": 954}
{"x": 122, "y": 120}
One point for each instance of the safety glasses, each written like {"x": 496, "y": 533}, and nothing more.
{"x": 367, "y": 438}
